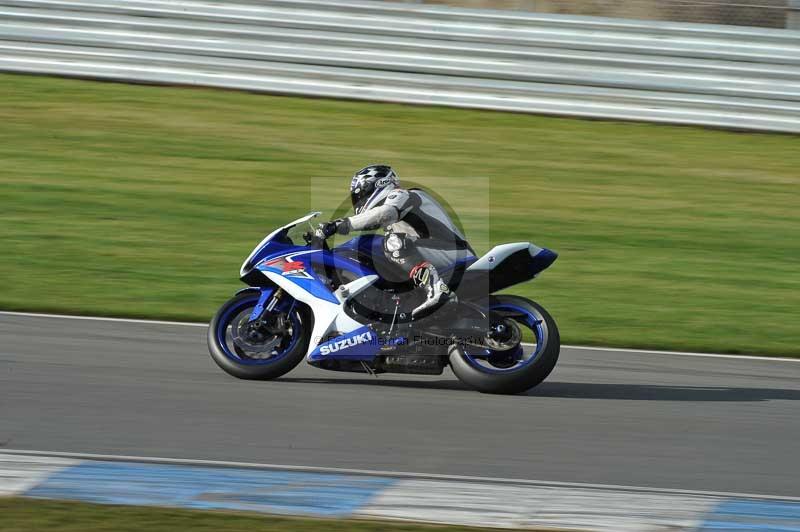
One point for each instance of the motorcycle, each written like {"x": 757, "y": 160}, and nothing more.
{"x": 332, "y": 307}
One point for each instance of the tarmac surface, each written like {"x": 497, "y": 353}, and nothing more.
{"x": 604, "y": 417}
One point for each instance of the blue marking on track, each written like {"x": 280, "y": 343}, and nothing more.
{"x": 278, "y": 492}
{"x": 751, "y": 515}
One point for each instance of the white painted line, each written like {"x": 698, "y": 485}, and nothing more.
{"x": 394, "y": 474}
{"x": 679, "y": 353}
{"x": 565, "y": 346}
{"x": 102, "y": 318}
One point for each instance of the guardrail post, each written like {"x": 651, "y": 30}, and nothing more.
{"x": 793, "y": 15}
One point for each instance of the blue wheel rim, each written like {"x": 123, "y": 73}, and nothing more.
{"x": 534, "y": 324}
{"x": 222, "y": 335}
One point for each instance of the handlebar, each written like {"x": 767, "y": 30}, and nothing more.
{"x": 314, "y": 240}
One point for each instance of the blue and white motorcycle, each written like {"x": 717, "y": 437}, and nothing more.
{"x": 332, "y": 307}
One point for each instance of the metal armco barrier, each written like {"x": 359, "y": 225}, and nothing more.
{"x": 721, "y": 76}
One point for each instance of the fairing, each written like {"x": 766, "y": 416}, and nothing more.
{"x": 274, "y": 237}
{"x": 277, "y": 262}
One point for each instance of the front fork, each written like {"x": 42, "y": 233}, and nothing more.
{"x": 272, "y": 300}
{"x": 267, "y": 302}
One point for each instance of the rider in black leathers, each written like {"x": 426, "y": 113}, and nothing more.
{"x": 419, "y": 235}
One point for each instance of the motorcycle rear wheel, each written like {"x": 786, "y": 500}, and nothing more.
{"x": 479, "y": 373}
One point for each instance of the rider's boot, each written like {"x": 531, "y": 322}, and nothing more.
{"x": 425, "y": 276}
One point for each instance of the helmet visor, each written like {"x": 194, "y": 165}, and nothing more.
{"x": 360, "y": 193}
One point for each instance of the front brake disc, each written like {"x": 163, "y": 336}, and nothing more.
{"x": 252, "y": 340}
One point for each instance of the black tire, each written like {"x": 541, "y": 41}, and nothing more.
{"x": 519, "y": 380}
{"x": 257, "y": 372}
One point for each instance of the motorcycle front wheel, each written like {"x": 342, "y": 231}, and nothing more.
{"x": 251, "y": 353}
{"x": 514, "y": 370}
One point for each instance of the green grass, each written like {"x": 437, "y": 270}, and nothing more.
{"x": 31, "y": 515}
{"x": 143, "y": 201}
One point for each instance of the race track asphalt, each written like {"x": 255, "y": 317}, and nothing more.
{"x": 603, "y": 417}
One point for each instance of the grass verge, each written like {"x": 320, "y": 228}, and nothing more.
{"x": 32, "y": 515}
{"x": 142, "y": 201}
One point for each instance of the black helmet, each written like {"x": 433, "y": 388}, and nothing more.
{"x": 371, "y": 185}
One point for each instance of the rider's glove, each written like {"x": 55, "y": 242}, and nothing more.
{"x": 341, "y": 226}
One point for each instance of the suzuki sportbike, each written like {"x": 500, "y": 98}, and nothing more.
{"x": 344, "y": 308}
